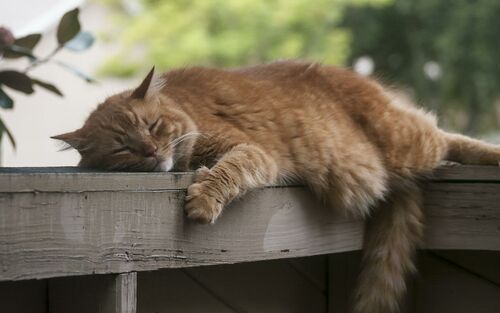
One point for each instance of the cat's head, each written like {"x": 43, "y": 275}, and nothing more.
{"x": 134, "y": 131}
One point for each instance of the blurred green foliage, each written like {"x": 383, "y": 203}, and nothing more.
{"x": 460, "y": 37}
{"x": 229, "y": 32}
{"x": 443, "y": 52}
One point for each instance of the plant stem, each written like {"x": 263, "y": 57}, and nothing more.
{"x": 44, "y": 60}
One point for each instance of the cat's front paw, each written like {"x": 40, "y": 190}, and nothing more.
{"x": 200, "y": 206}
{"x": 202, "y": 174}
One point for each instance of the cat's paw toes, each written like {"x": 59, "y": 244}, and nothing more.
{"x": 200, "y": 206}
{"x": 202, "y": 173}
{"x": 447, "y": 163}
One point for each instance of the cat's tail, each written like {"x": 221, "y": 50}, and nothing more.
{"x": 391, "y": 239}
{"x": 466, "y": 150}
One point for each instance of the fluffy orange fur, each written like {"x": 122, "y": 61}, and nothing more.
{"x": 353, "y": 142}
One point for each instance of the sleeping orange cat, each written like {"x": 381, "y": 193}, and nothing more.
{"x": 356, "y": 145}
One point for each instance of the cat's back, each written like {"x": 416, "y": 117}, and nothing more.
{"x": 276, "y": 71}
{"x": 279, "y": 73}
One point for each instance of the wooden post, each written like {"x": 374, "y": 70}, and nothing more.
{"x": 96, "y": 293}
{"x": 125, "y": 293}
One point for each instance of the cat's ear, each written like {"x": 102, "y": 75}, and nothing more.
{"x": 141, "y": 91}
{"x": 72, "y": 139}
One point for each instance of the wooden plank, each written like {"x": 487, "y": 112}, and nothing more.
{"x": 172, "y": 291}
{"x": 79, "y": 180}
{"x": 463, "y": 216}
{"x": 459, "y": 173}
{"x": 94, "y": 293}
{"x": 121, "y": 229}
{"x": 28, "y": 296}
{"x": 50, "y": 234}
{"x": 92, "y": 181}
{"x": 443, "y": 288}
{"x": 485, "y": 264}
{"x": 256, "y": 287}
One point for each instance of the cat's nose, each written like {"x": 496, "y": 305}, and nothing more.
{"x": 150, "y": 150}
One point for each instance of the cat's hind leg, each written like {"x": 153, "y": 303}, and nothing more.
{"x": 244, "y": 167}
{"x": 353, "y": 181}
{"x": 466, "y": 150}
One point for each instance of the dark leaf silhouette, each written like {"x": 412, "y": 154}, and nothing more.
{"x": 29, "y": 41}
{"x": 23, "y": 45}
{"x": 47, "y": 86}
{"x": 69, "y": 27}
{"x": 13, "y": 51}
{"x": 16, "y": 80}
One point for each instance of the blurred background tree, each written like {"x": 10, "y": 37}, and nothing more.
{"x": 446, "y": 51}
{"x": 228, "y": 32}
{"x": 442, "y": 52}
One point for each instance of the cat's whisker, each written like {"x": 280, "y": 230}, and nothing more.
{"x": 180, "y": 139}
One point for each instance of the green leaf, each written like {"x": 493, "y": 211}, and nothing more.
{"x": 16, "y": 80}
{"x": 3, "y": 128}
{"x": 13, "y": 52}
{"x": 6, "y": 102}
{"x": 47, "y": 86}
{"x": 24, "y": 45}
{"x": 81, "y": 42}
{"x": 29, "y": 41}
{"x": 69, "y": 27}
{"x": 75, "y": 71}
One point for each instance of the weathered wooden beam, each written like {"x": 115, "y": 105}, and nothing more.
{"x": 58, "y": 222}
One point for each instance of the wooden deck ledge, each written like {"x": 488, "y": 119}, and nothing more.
{"x": 64, "y": 221}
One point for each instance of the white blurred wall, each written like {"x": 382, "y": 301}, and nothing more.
{"x": 37, "y": 117}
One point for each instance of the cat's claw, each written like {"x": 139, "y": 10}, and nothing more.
{"x": 446, "y": 163}
{"x": 200, "y": 206}
{"x": 202, "y": 173}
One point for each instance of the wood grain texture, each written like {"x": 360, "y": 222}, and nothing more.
{"x": 459, "y": 173}
{"x": 92, "y": 181}
{"x": 126, "y": 293}
{"x": 61, "y": 223}
{"x": 73, "y": 179}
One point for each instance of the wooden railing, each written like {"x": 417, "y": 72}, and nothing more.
{"x": 58, "y": 222}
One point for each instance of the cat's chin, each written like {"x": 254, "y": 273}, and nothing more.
{"x": 164, "y": 166}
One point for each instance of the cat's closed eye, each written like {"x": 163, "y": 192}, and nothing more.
{"x": 120, "y": 150}
{"x": 153, "y": 127}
